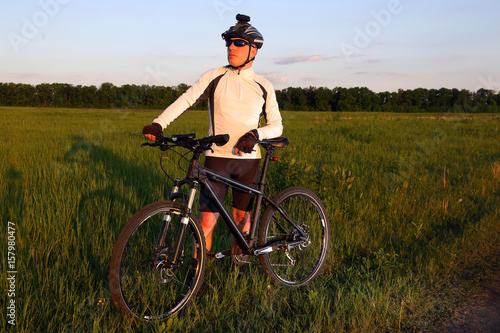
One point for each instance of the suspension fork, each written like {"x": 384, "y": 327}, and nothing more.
{"x": 166, "y": 220}
{"x": 186, "y": 211}
{"x": 187, "y": 206}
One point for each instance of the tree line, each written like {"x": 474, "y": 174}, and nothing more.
{"x": 290, "y": 99}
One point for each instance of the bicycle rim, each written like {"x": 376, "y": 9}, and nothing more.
{"x": 299, "y": 264}
{"x": 141, "y": 282}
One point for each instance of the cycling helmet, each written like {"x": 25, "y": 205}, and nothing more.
{"x": 244, "y": 30}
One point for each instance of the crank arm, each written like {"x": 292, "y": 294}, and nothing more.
{"x": 223, "y": 254}
{"x": 276, "y": 246}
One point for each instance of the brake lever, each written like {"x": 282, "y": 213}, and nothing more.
{"x": 206, "y": 147}
{"x": 154, "y": 144}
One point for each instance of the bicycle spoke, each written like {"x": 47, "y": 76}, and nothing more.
{"x": 300, "y": 263}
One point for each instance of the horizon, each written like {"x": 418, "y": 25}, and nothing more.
{"x": 98, "y": 86}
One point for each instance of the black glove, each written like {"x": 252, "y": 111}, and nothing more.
{"x": 246, "y": 143}
{"x": 154, "y": 129}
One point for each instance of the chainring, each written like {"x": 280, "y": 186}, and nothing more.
{"x": 237, "y": 255}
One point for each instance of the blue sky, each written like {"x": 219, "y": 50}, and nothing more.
{"x": 384, "y": 45}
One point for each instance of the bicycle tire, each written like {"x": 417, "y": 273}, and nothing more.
{"x": 307, "y": 211}
{"x": 140, "y": 286}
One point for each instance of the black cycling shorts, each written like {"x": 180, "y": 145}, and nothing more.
{"x": 245, "y": 171}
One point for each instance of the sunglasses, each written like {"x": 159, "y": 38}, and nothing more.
{"x": 237, "y": 42}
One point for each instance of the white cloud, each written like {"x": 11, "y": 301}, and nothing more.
{"x": 275, "y": 78}
{"x": 294, "y": 59}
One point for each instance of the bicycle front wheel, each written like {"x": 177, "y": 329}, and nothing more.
{"x": 295, "y": 264}
{"x": 143, "y": 282}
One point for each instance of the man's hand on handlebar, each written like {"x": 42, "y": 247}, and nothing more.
{"x": 152, "y": 131}
{"x": 246, "y": 143}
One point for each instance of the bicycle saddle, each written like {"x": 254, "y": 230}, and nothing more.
{"x": 279, "y": 142}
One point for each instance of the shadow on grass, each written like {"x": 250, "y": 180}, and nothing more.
{"x": 13, "y": 202}
{"x": 117, "y": 190}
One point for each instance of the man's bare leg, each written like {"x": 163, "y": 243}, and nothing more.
{"x": 208, "y": 220}
{"x": 242, "y": 219}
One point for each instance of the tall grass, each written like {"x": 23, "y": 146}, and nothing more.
{"x": 413, "y": 203}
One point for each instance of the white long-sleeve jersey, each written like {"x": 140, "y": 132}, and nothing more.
{"x": 237, "y": 100}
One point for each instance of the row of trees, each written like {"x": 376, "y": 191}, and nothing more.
{"x": 363, "y": 99}
{"x": 106, "y": 96}
{"x": 290, "y": 99}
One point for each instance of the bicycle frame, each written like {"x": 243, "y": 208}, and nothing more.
{"x": 197, "y": 174}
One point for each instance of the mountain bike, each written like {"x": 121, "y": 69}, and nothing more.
{"x": 158, "y": 262}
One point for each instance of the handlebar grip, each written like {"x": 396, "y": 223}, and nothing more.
{"x": 221, "y": 139}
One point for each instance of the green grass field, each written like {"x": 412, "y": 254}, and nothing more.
{"x": 413, "y": 200}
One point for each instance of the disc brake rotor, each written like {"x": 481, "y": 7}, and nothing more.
{"x": 163, "y": 274}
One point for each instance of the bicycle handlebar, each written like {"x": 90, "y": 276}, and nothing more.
{"x": 219, "y": 140}
{"x": 189, "y": 141}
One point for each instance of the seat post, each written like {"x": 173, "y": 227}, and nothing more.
{"x": 263, "y": 175}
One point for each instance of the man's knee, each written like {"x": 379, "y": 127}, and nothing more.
{"x": 208, "y": 220}
{"x": 241, "y": 215}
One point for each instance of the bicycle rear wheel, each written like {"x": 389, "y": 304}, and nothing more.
{"x": 299, "y": 264}
{"x": 142, "y": 281}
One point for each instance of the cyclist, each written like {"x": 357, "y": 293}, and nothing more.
{"x": 238, "y": 98}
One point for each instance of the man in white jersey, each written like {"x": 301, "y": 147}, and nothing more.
{"x": 237, "y": 99}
